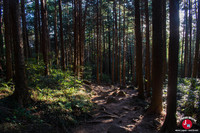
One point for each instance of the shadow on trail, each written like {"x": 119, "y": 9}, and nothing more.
{"x": 118, "y": 111}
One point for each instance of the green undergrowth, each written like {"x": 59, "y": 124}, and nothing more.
{"x": 59, "y": 99}
{"x": 188, "y": 98}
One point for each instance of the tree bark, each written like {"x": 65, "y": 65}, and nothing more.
{"x": 116, "y": 42}
{"x": 1, "y": 42}
{"x": 109, "y": 46}
{"x": 100, "y": 40}
{"x": 56, "y": 33}
{"x": 81, "y": 43}
{"x": 133, "y": 60}
{"x": 113, "y": 51}
{"x": 132, "y": 56}
{"x": 196, "y": 57}
{"x": 45, "y": 36}
{"x": 9, "y": 72}
{"x": 120, "y": 67}
{"x": 61, "y": 38}
{"x": 124, "y": 48}
{"x": 138, "y": 50}
{"x": 182, "y": 72}
{"x": 164, "y": 39}
{"x": 21, "y": 93}
{"x": 170, "y": 121}
{"x": 40, "y": 28}
{"x": 24, "y": 30}
{"x": 75, "y": 37}
{"x": 147, "y": 61}
{"x": 36, "y": 29}
{"x": 98, "y": 81}
{"x": 1, "y": 34}
{"x": 157, "y": 59}
{"x": 128, "y": 57}
{"x": 186, "y": 44}
{"x": 190, "y": 30}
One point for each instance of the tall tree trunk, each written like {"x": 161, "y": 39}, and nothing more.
{"x": 186, "y": 43}
{"x": 28, "y": 45}
{"x": 89, "y": 47}
{"x": 124, "y": 47}
{"x": 45, "y": 36}
{"x": 1, "y": 42}
{"x": 138, "y": 49}
{"x": 75, "y": 37}
{"x": 36, "y": 29}
{"x": 196, "y": 14}
{"x": 147, "y": 61}
{"x": 182, "y": 72}
{"x": 164, "y": 39}
{"x": 132, "y": 56}
{"x": 128, "y": 57}
{"x": 100, "y": 40}
{"x": 142, "y": 11}
{"x": 120, "y": 67}
{"x": 94, "y": 46}
{"x": 81, "y": 43}
{"x": 170, "y": 121}
{"x": 105, "y": 55}
{"x": 61, "y": 38}
{"x": 134, "y": 61}
{"x": 21, "y": 94}
{"x": 109, "y": 47}
{"x": 98, "y": 81}
{"x": 194, "y": 73}
{"x": 190, "y": 30}
{"x": 56, "y": 33}
{"x": 24, "y": 30}
{"x": 40, "y": 28}
{"x": 78, "y": 40}
{"x": 9, "y": 72}
{"x": 1, "y": 34}
{"x": 113, "y": 51}
{"x": 157, "y": 59}
{"x": 116, "y": 42}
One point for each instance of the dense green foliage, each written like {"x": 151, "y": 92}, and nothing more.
{"x": 59, "y": 99}
{"x": 188, "y": 98}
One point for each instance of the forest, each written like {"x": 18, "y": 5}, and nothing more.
{"x": 99, "y": 66}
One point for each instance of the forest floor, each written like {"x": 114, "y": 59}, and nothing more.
{"x": 71, "y": 106}
{"x": 119, "y": 110}
{"x": 115, "y": 110}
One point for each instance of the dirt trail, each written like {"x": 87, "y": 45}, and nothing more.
{"x": 118, "y": 111}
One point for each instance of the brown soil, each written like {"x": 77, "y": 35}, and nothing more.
{"x": 118, "y": 113}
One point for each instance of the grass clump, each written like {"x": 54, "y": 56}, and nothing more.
{"x": 6, "y": 88}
